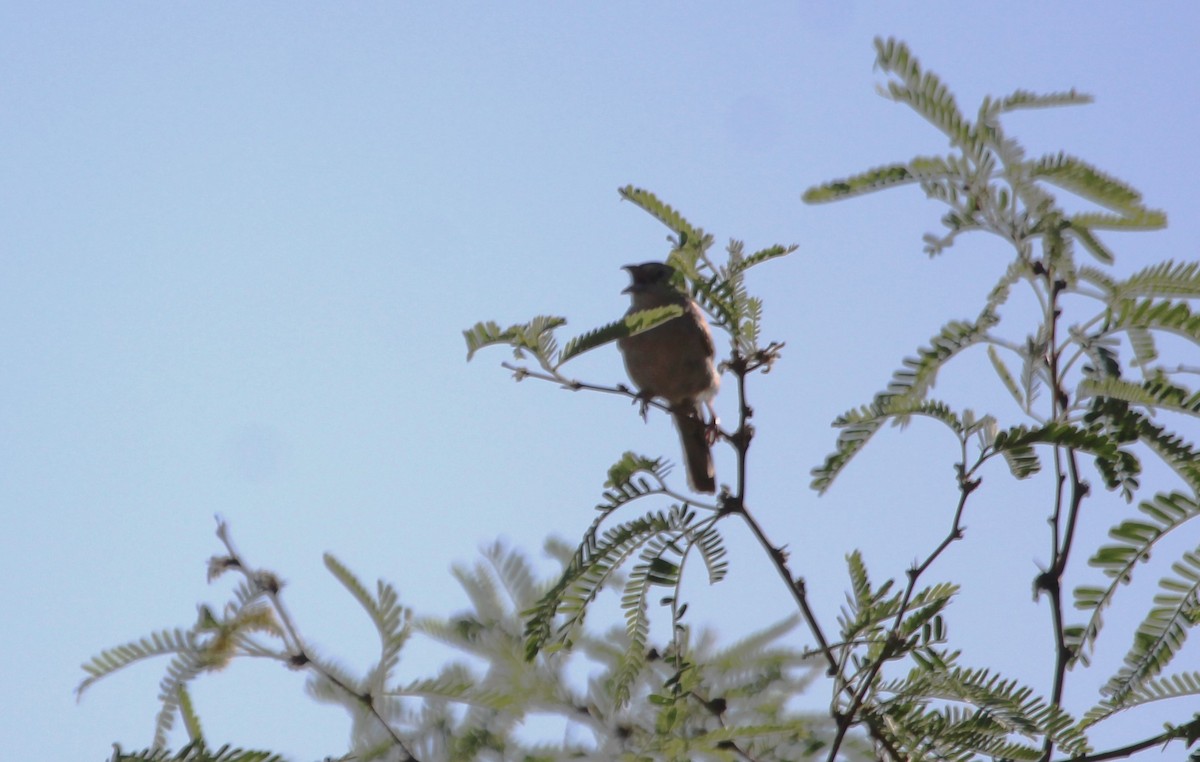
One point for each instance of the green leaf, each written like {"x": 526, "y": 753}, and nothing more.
{"x": 187, "y": 712}
{"x": 1153, "y": 315}
{"x": 859, "y": 425}
{"x": 1144, "y": 350}
{"x": 655, "y": 569}
{"x": 920, "y": 372}
{"x": 1103, "y": 280}
{"x": 712, "y": 551}
{"x": 902, "y": 398}
{"x": 1022, "y": 460}
{"x": 391, "y": 620}
{"x": 1061, "y": 434}
{"x": 1003, "y": 707}
{"x": 1163, "y": 280}
{"x": 624, "y": 485}
{"x": 194, "y": 751}
{"x": 621, "y": 473}
{"x": 1113, "y": 414}
{"x": 1163, "y": 631}
{"x": 1082, "y": 179}
{"x": 925, "y": 94}
{"x": 1153, "y": 394}
{"x": 762, "y": 255}
{"x": 1133, "y": 219}
{"x": 925, "y": 606}
{"x": 183, "y": 667}
{"x": 459, "y": 689}
{"x": 1005, "y": 377}
{"x": 630, "y": 325}
{"x": 160, "y": 643}
{"x": 487, "y": 333}
{"x": 867, "y": 608}
{"x": 1117, "y": 465}
{"x": 717, "y": 298}
{"x": 1091, "y": 243}
{"x": 870, "y": 181}
{"x": 1023, "y": 99}
{"x": 594, "y": 562}
{"x": 687, "y": 236}
{"x": 1172, "y": 686}
{"x": 536, "y": 337}
{"x": 1134, "y": 541}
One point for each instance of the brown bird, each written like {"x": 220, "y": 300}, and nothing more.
{"x": 674, "y": 361}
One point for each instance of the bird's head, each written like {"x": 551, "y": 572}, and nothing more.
{"x": 648, "y": 276}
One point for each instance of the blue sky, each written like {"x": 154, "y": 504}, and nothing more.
{"x": 240, "y": 242}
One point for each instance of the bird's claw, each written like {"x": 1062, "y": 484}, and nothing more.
{"x": 712, "y": 428}
{"x": 712, "y": 432}
{"x": 643, "y": 401}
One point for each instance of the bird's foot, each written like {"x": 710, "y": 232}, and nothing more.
{"x": 643, "y": 401}
{"x": 712, "y": 428}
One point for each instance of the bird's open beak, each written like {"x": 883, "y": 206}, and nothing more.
{"x": 629, "y": 269}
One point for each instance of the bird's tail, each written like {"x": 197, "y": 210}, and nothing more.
{"x": 697, "y": 454}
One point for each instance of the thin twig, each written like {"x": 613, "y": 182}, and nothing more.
{"x": 966, "y": 485}
{"x": 521, "y": 372}
{"x": 1062, "y": 526}
{"x": 1127, "y": 751}
{"x": 300, "y": 654}
{"x": 736, "y": 503}
{"x": 708, "y": 705}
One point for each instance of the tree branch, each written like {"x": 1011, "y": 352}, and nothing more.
{"x": 300, "y": 655}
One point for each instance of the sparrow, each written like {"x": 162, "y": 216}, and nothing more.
{"x": 674, "y": 361}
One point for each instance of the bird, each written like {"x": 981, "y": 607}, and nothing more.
{"x": 674, "y": 361}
